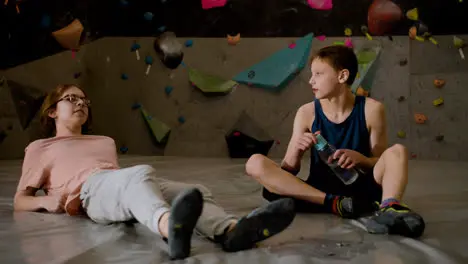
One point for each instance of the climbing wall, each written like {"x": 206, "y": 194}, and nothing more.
{"x": 199, "y": 120}
{"x": 443, "y": 136}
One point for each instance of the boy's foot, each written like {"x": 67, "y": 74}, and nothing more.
{"x": 348, "y": 207}
{"x": 396, "y": 219}
{"x": 259, "y": 225}
{"x": 185, "y": 210}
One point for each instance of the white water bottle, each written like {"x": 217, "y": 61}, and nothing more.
{"x": 326, "y": 151}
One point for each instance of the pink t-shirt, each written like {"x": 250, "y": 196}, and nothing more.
{"x": 60, "y": 165}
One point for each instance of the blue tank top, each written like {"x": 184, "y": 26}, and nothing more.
{"x": 352, "y": 134}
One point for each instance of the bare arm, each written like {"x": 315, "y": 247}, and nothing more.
{"x": 27, "y": 201}
{"x": 302, "y": 123}
{"x": 377, "y": 122}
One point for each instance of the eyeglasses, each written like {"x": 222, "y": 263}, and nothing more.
{"x": 74, "y": 99}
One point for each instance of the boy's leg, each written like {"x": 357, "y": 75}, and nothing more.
{"x": 134, "y": 193}
{"x": 391, "y": 172}
{"x": 232, "y": 233}
{"x": 280, "y": 183}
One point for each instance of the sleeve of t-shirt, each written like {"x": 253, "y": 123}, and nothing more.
{"x": 33, "y": 172}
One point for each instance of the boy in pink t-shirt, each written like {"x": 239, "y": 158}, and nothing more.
{"x": 80, "y": 174}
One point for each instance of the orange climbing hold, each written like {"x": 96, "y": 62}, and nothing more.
{"x": 361, "y": 92}
{"x": 439, "y": 83}
{"x": 420, "y": 118}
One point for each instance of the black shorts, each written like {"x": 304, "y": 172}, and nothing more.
{"x": 365, "y": 187}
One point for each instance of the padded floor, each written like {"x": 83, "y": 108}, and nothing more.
{"x": 437, "y": 190}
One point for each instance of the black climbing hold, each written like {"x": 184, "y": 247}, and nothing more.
{"x": 390, "y": 38}
{"x": 3, "y": 135}
{"x": 403, "y": 62}
{"x": 251, "y": 74}
{"x": 439, "y": 138}
{"x": 401, "y": 98}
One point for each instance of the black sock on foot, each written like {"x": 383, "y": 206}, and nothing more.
{"x": 185, "y": 210}
{"x": 259, "y": 225}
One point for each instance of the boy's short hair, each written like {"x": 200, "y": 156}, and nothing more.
{"x": 339, "y": 57}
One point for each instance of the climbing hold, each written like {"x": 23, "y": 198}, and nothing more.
{"x": 149, "y": 62}
{"x": 236, "y": 134}
{"x": 148, "y": 16}
{"x": 401, "y": 134}
{"x": 413, "y": 14}
{"x": 77, "y": 75}
{"x": 382, "y": 16}
{"x": 124, "y": 76}
{"x": 420, "y": 118}
{"x": 459, "y": 44}
{"x": 251, "y": 74}
{"x": 3, "y": 135}
{"x": 189, "y": 43}
{"x": 69, "y": 37}
{"x": 233, "y": 40}
{"x": 348, "y": 43}
{"x": 348, "y": 32}
{"x": 169, "y": 50}
{"x": 159, "y": 130}
{"x": 292, "y": 45}
{"x": 162, "y": 28}
{"x": 439, "y": 101}
{"x": 123, "y": 149}
{"x": 210, "y": 84}
{"x": 339, "y": 43}
{"x": 390, "y": 38}
{"x": 136, "y": 106}
{"x": 413, "y": 155}
{"x": 403, "y": 62}
{"x": 277, "y": 142}
{"x": 135, "y": 48}
{"x": 321, "y": 37}
{"x": 401, "y": 98}
{"x": 181, "y": 119}
{"x": 168, "y": 90}
{"x": 365, "y": 31}
{"x": 361, "y": 92}
{"x": 207, "y": 4}
{"x": 320, "y": 4}
{"x": 439, "y": 83}
{"x": 439, "y": 138}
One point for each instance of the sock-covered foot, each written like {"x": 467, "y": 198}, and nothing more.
{"x": 185, "y": 210}
{"x": 348, "y": 207}
{"x": 259, "y": 225}
{"x": 396, "y": 218}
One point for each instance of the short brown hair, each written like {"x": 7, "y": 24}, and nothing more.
{"x": 339, "y": 57}
{"x": 50, "y": 102}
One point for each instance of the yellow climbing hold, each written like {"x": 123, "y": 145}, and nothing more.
{"x": 266, "y": 232}
{"x": 348, "y": 32}
{"x": 413, "y": 14}
{"x": 178, "y": 226}
{"x": 401, "y": 134}
{"x": 438, "y": 101}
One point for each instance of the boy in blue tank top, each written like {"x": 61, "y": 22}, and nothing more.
{"x": 356, "y": 126}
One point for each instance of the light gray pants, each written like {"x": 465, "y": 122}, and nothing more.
{"x": 135, "y": 193}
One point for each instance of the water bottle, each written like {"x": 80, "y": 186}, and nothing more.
{"x": 325, "y": 151}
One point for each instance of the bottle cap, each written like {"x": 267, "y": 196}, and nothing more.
{"x": 321, "y": 142}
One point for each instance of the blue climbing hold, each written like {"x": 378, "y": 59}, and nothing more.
{"x": 168, "y": 89}
{"x": 124, "y": 76}
{"x": 162, "y": 28}
{"x": 148, "y": 16}
{"x": 149, "y": 60}
{"x": 189, "y": 43}
{"x": 135, "y": 47}
{"x": 181, "y": 119}
{"x": 123, "y": 149}
{"x": 136, "y": 106}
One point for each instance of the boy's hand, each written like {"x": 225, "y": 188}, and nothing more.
{"x": 53, "y": 204}
{"x": 305, "y": 142}
{"x": 347, "y": 158}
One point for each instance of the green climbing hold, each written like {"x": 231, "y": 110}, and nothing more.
{"x": 208, "y": 83}
{"x": 158, "y": 129}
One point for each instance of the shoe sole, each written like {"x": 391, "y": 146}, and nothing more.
{"x": 269, "y": 221}
{"x": 185, "y": 212}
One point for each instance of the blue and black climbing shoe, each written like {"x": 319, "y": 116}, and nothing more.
{"x": 185, "y": 210}
{"x": 260, "y": 224}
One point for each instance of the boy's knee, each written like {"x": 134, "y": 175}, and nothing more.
{"x": 255, "y": 165}
{"x": 398, "y": 150}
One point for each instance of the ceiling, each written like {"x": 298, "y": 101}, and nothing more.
{"x": 26, "y": 36}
